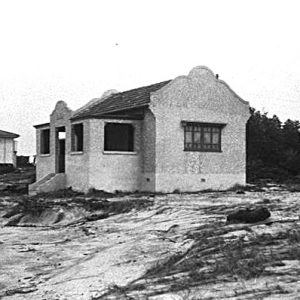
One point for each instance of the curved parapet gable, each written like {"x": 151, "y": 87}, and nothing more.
{"x": 203, "y": 70}
{"x": 61, "y": 112}
{"x": 200, "y": 89}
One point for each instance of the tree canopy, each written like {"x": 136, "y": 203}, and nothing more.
{"x": 273, "y": 147}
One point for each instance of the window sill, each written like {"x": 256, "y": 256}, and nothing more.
{"x": 76, "y": 153}
{"x": 44, "y": 155}
{"x": 214, "y": 151}
{"x": 119, "y": 153}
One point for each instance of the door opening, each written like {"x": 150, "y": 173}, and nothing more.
{"x": 60, "y": 149}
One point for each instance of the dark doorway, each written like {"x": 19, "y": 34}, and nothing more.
{"x": 60, "y": 149}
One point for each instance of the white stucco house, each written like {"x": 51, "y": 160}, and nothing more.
{"x": 8, "y": 149}
{"x": 185, "y": 134}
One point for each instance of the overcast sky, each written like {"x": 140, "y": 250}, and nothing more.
{"x": 75, "y": 50}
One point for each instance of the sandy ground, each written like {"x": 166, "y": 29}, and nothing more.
{"x": 111, "y": 258}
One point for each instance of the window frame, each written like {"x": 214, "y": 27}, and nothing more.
{"x": 74, "y": 139}
{"x": 43, "y": 149}
{"x": 118, "y": 151}
{"x": 203, "y": 129}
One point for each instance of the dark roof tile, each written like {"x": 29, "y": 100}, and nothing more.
{"x": 131, "y": 99}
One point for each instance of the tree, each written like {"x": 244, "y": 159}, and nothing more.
{"x": 272, "y": 146}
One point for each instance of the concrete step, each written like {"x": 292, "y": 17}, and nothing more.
{"x": 50, "y": 183}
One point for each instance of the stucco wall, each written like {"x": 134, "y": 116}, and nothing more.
{"x": 148, "y": 152}
{"x": 77, "y": 163}
{"x": 7, "y": 154}
{"x": 47, "y": 163}
{"x": 199, "y": 97}
{"x": 111, "y": 171}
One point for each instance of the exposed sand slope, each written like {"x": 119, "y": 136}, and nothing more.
{"x": 128, "y": 254}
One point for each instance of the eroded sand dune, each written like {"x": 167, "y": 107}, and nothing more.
{"x": 179, "y": 247}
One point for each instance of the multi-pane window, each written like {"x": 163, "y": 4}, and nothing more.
{"x": 77, "y": 137}
{"x": 45, "y": 141}
{"x": 202, "y": 136}
{"x": 119, "y": 137}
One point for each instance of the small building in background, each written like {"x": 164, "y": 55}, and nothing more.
{"x": 8, "y": 148}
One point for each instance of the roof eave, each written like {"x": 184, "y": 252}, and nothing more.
{"x": 114, "y": 113}
{"x": 41, "y": 125}
{"x": 9, "y": 136}
{"x": 121, "y": 117}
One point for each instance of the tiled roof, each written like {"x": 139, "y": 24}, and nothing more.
{"x": 123, "y": 101}
{"x": 6, "y": 134}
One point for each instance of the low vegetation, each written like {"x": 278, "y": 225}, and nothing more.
{"x": 15, "y": 181}
{"x": 94, "y": 205}
{"x": 214, "y": 259}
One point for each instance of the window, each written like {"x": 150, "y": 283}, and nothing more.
{"x": 118, "y": 137}
{"x": 77, "y": 137}
{"x": 45, "y": 141}
{"x": 202, "y": 136}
